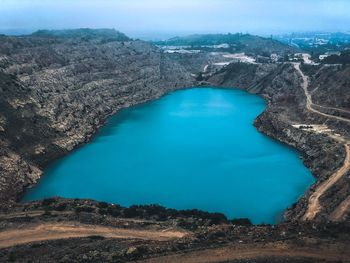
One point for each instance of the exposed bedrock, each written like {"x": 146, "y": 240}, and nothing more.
{"x": 56, "y": 92}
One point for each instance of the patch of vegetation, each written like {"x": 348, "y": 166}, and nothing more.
{"x": 96, "y": 237}
{"x": 12, "y": 257}
{"x": 84, "y": 34}
{"x": 200, "y": 77}
{"x": 60, "y": 207}
{"x": 114, "y": 210}
{"x": 310, "y": 70}
{"x": 343, "y": 58}
{"x": 48, "y": 201}
{"x": 47, "y": 212}
{"x": 86, "y": 209}
{"x": 241, "y": 222}
{"x": 133, "y": 211}
{"x": 102, "y": 205}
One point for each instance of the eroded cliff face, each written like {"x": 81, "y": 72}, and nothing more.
{"x": 280, "y": 85}
{"x": 330, "y": 84}
{"x": 56, "y": 92}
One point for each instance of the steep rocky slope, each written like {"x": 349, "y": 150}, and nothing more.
{"x": 57, "y": 88}
{"x": 330, "y": 85}
{"x": 281, "y": 84}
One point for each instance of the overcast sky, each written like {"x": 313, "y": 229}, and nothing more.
{"x": 178, "y": 16}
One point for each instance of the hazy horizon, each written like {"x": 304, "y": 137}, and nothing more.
{"x": 164, "y": 18}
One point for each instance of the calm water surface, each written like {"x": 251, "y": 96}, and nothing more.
{"x": 194, "y": 148}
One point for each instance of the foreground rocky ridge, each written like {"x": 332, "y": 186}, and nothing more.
{"x": 63, "y": 230}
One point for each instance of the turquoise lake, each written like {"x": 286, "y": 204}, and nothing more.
{"x": 194, "y": 148}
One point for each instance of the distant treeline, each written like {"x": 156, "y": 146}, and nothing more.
{"x": 83, "y": 33}
{"x": 343, "y": 58}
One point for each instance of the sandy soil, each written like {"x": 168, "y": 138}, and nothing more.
{"x": 51, "y": 231}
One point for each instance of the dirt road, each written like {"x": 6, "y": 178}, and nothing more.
{"x": 51, "y": 231}
{"x": 309, "y": 102}
{"x": 314, "y": 206}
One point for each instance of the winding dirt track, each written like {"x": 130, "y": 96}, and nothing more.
{"x": 332, "y": 108}
{"x": 314, "y": 206}
{"x": 51, "y": 231}
{"x": 309, "y": 102}
{"x": 229, "y": 253}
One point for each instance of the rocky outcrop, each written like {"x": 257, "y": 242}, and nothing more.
{"x": 58, "y": 88}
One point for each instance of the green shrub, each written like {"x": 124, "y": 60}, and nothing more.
{"x": 96, "y": 237}
{"x": 48, "y": 201}
{"x": 113, "y": 211}
{"x": 133, "y": 211}
{"x": 241, "y": 221}
{"x": 87, "y": 209}
{"x": 102, "y": 205}
{"x": 60, "y": 207}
